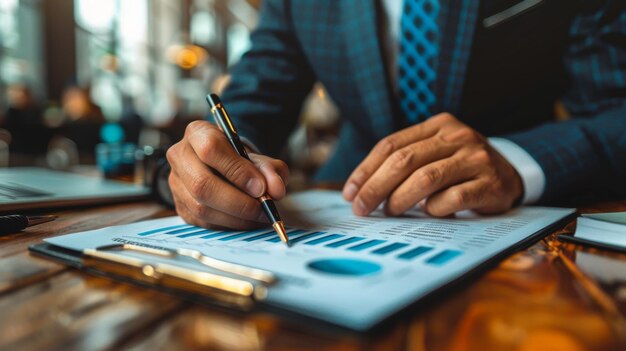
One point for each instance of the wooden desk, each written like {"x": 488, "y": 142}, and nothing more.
{"x": 552, "y": 296}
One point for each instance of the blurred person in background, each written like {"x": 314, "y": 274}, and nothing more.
{"x": 23, "y": 120}
{"x": 449, "y": 105}
{"x": 83, "y": 119}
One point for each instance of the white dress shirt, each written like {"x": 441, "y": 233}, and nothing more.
{"x": 532, "y": 175}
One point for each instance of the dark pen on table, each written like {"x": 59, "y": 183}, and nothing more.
{"x": 226, "y": 125}
{"x": 14, "y": 223}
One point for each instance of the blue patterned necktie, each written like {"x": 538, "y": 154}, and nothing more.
{"x": 419, "y": 48}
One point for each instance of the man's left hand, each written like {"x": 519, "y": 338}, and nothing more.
{"x": 442, "y": 164}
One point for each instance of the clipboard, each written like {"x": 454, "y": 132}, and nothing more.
{"x": 253, "y": 301}
{"x": 231, "y": 285}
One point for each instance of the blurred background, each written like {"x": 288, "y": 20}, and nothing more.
{"x": 87, "y": 82}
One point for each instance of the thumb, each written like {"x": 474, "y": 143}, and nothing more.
{"x": 276, "y": 174}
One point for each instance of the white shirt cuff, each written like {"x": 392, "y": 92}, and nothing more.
{"x": 530, "y": 171}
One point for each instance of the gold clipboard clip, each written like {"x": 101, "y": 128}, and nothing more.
{"x": 229, "y": 283}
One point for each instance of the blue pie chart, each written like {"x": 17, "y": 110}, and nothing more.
{"x": 345, "y": 266}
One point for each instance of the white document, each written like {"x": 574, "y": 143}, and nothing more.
{"x": 612, "y": 217}
{"x": 601, "y": 231}
{"x": 347, "y": 270}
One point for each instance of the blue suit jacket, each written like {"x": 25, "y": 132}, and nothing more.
{"x": 501, "y": 78}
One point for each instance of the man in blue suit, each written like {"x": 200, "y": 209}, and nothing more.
{"x": 445, "y": 104}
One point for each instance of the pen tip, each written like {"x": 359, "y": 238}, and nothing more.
{"x": 279, "y": 227}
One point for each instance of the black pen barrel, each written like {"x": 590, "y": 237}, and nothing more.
{"x": 270, "y": 210}
{"x": 226, "y": 125}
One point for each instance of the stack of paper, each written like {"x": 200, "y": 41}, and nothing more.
{"x": 607, "y": 230}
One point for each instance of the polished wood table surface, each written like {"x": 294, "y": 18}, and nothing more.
{"x": 550, "y": 296}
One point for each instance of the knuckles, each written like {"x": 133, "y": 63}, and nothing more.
{"x": 482, "y": 156}
{"x": 197, "y": 209}
{"x": 496, "y": 185}
{"x": 211, "y": 139}
{"x": 386, "y": 146}
{"x": 208, "y": 149}
{"x": 195, "y": 127}
{"x": 468, "y": 135}
{"x": 429, "y": 178}
{"x": 171, "y": 180}
{"x": 172, "y": 152}
{"x": 199, "y": 185}
{"x": 401, "y": 159}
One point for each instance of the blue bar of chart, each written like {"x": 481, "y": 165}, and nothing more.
{"x": 366, "y": 245}
{"x": 411, "y": 254}
{"x": 306, "y": 237}
{"x": 269, "y": 234}
{"x": 443, "y": 257}
{"x": 215, "y": 235}
{"x": 291, "y": 235}
{"x": 324, "y": 239}
{"x": 154, "y": 231}
{"x": 344, "y": 242}
{"x": 182, "y": 231}
{"x": 197, "y": 232}
{"x": 389, "y": 248}
{"x": 243, "y": 234}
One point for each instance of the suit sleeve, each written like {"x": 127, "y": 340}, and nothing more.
{"x": 269, "y": 84}
{"x": 584, "y": 158}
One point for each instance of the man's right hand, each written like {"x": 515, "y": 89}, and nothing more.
{"x": 214, "y": 187}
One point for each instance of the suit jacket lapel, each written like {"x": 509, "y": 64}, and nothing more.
{"x": 456, "y": 47}
{"x": 360, "y": 30}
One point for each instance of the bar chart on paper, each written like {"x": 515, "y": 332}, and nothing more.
{"x": 334, "y": 243}
{"x": 338, "y": 265}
